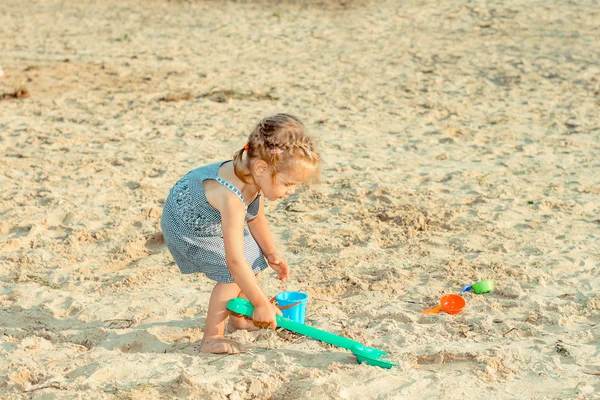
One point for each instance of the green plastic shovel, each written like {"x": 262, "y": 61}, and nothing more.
{"x": 364, "y": 354}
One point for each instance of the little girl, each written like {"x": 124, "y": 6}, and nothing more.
{"x": 205, "y": 213}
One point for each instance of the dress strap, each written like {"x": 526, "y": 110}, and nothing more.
{"x": 231, "y": 187}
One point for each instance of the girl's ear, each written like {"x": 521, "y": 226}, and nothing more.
{"x": 260, "y": 167}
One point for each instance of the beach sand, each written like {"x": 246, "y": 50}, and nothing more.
{"x": 460, "y": 142}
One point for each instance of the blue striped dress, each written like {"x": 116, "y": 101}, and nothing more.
{"x": 193, "y": 231}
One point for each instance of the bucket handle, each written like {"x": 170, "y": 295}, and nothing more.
{"x": 284, "y": 307}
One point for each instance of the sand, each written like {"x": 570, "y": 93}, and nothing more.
{"x": 460, "y": 142}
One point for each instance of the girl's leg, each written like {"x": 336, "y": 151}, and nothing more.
{"x": 237, "y": 322}
{"x": 213, "y": 340}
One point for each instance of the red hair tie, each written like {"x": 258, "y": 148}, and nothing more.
{"x": 246, "y": 147}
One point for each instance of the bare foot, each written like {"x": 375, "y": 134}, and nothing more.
{"x": 220, "y": 345}
{"x": 236, "y": 323}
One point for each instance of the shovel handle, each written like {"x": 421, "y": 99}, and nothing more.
{"x": 435, "y": 310}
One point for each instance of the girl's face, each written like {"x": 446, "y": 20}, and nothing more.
{"x": 283, "y": 185}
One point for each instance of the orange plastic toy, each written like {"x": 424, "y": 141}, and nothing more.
{"x": 450, "y": 303}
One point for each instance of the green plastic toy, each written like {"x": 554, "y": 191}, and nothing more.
{"x": 480, "y": 287}
{"x": 364, "y": 354}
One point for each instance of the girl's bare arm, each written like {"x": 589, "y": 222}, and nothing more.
{"x": 259, "y": 228}
{"x": 233, "y": 215}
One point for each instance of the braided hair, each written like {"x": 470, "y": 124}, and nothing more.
{"x": 280, "y": 141}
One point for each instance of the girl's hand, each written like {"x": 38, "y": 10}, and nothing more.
{"x": 264, "y": 315}
{"x": 280, "y": 265}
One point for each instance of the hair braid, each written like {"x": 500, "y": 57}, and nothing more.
{"x": 280, "y": 141}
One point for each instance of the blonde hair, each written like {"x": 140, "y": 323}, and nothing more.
{"x": 281, "y": 142}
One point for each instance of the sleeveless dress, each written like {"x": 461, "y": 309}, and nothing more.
{"x": 193, "y": 231}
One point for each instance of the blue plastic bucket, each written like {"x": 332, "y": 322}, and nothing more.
{"x": 296, "y": 313}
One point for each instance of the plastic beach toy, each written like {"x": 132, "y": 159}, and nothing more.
{"x": 450, "y": 303}
{"x": 364, "y": 354}
{"x": 292, "y": 305}
{"x": 480, "y": 287}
